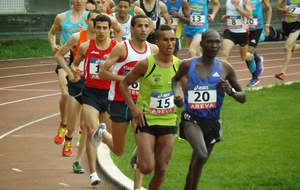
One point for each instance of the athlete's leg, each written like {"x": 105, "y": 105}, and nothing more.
{"x": 226, "y": 48}
{"x": 62, "y": 81}
{"x": 163, "y": 151}
{"x": 117, "y": 140}
{"x": 245, "y": 55}
{"x": 296, "y": 47}
{"x": 90, "y": 118}
{"x": 73, "y": 115}
{"x": 145, "y": 149}
{"x": 60, "y": 136}
{"x": 200, "y": 155}
{"x": 104, "y": 118}
{"x": 138, "y": 176}
{"x": 194, "y": 47}
{"x": 82, "y": 144}
{"x": 290, "y": 42}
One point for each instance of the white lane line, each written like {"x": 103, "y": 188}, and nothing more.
{"x": 29, "y": 74}
{"x": 269, "y": 76}
{"x": 27, "y": 124}
{"x": 26, "y": 99}
{"x": 29, "y": 84}
{"x": 29, "y": 90}
{"x": 16, "y": 170}
{"x": 64, "y": 184}
{"x": 27, "y": 66}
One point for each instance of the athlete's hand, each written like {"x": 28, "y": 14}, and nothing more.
{"x": 236, "y": 2}
{"x": 289, "y": 8}
{"x": 76, "y": 74}
{"x": 55, "y": 49}
{"x": 174, "y": 14}
{"x": 138, "y": 116}
{"x": 178, "y": 101}
{"x": 224, "y": 18}
{"x": 210, "y": 18}
{"x": 267, "y": 31}
{"x": 224, "y": 85}
{"x": 80, "y": 27}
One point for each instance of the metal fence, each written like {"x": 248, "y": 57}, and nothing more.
{"x": 31, "y": 18}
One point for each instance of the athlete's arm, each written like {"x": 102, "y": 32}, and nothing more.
{"x": 164, "y": 12}
{"x": 117, "y": 53}
{"x": 138, "y": 70}
{"x": 229, "y": 81}
{"x": 216, "y": 7}
{"x": 117, "y": 29}
{"x": 80, "y": 55}
{"x": 69, "y": 45}
{"x": 186, "y": 12}
{"x": 154, "y": 48}
{"x": 269, "y": 16}
{"x": 137, "y": 11}
{"x": 247, "y": 12}
{"x": 281, "y": 8}
{"x": 180, "y": 75}
{"x": 56, "y": 26}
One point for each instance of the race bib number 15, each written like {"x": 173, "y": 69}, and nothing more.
{"x": 161, "y": 103}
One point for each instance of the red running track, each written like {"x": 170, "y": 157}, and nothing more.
{"x": 29, "y": 117}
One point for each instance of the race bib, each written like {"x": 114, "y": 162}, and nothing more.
{"x": 295, "y": 12}
{"x": 154, "y": 20}
{"x": 174, "y": 22}
{"x": 197, "y": 19}
{"x": 67, "y": 57}
{"x": 81, "y": 67}
{"x": 252, "y": 23}
{"x": 161, "y": 103}
{"x": 234, "y": 22}
{"x": 134, "y": 88}
{"x": 202, "y": 97}
{"x": 94, "y": 67}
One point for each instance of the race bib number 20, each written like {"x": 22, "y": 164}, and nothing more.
{"x": 202, "y": 97}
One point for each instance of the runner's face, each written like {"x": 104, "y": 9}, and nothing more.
{"x": 79, "y": 4}
{"x": 123, "y": 9}
{"x": 102, "y": 30}
{"x": 211, "y": 44}
{"x": 102, "y": 5}
{"x": 166, "y": 42}
{"x": 90, "y": 22}
{"x": 90, "y": 7}
{"x": 140, "y": 29}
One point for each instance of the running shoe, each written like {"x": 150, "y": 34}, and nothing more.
{"x": 77, "y": 168}
{"x": 94, "y": 179}
{"x": 280, "y": 76}
{"x": 259, "y": 66}
{"x": 253, "y": 82}
{"x": 97, "y": 136}
{"x": 60, "y": 137}
{"x": 67, "y": 150}
{"x": 133, "y": 159}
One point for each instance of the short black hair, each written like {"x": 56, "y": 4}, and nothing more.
{"x": 161, "y": 28}
{"x": 93, "y": 11}
{"x": 128, "y": 1}
{"x": 102, "y": 18}
{"x": 133, "y": 20}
